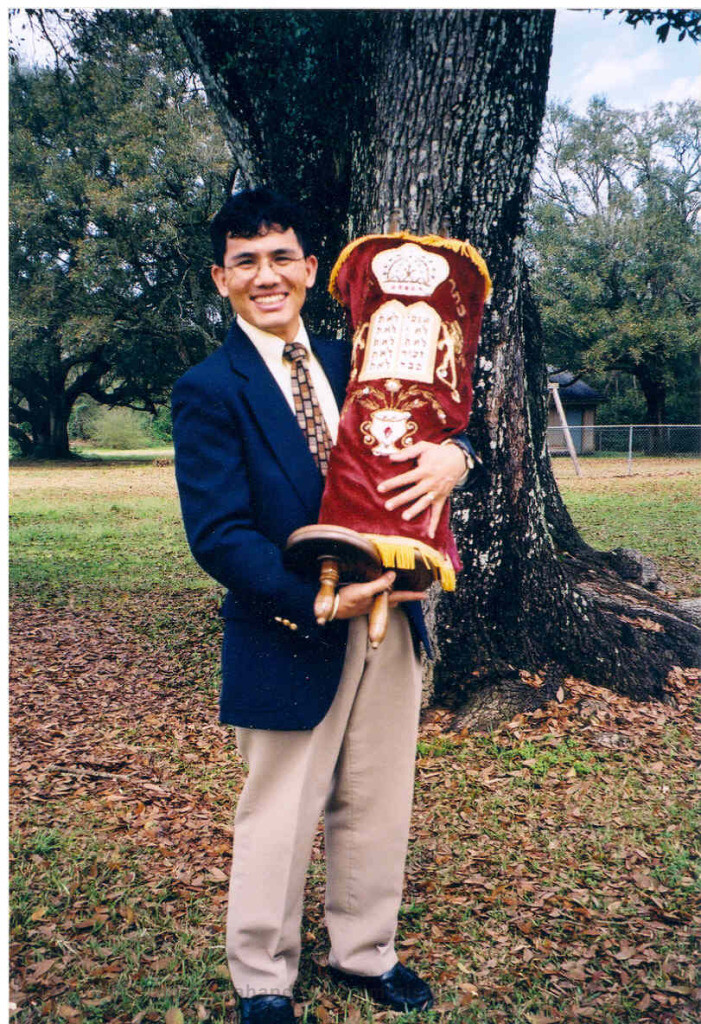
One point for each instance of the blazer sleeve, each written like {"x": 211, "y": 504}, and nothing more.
{"x": 215, "y": 498}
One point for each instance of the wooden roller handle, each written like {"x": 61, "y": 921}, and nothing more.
{"x": 328, "y": 578}
{"x": 379, "y": 617}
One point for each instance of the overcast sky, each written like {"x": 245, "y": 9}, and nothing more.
{"x": 593, "y": 55}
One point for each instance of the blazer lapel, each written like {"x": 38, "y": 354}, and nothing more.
{"x": 276, "y": 420}
{"x": 333, "y": 356}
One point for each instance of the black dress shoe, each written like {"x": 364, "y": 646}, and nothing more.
{"x": 398, "y": 988}
{"x": 266, "y": 1010}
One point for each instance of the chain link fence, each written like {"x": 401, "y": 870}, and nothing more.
{"x": 631, "y": 443}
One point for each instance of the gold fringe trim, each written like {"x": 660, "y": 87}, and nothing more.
{"x": 401, "y": 553}
{"x": 454, "y": 244}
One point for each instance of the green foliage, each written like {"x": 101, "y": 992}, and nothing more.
{"x": 628, "y": 407}
{"x": 82, "y": 417}
{"x": 615, "y": 247}
{"x": 116, "y": 164}
{"x": 161, "y": 425}
{"x": 91, "y": 421}
{"x": 120, "y": 429}
{"x": 685, "y": 23}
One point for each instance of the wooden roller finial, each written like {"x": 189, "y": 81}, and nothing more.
{"x": 328, "y": 578}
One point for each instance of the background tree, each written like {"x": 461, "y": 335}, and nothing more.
{"x": 617, "y": 246}
{"x": 116, "y": 165}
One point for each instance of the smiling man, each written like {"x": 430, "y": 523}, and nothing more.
{"x": 326, "y": 724}
{"x": 266, "y": 279}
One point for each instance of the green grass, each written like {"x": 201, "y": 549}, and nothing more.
{"x": 128, "y": 546}
{"x": 542, "y": 759}
{"x": 660, "y": 516}
{"x": 128, "y": 929}
{"x": 90, "y": 530}
{"x": 662, "y": 523}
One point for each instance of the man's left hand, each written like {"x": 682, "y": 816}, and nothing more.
{"x": 438, "y": 469}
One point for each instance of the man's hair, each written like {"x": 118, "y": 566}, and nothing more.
{"x": 254, "y": 212}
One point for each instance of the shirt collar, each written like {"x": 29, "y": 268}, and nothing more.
{"x": 271, "y": 342}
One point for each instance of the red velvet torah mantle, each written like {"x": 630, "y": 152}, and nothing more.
{"x": 415, "y": 306}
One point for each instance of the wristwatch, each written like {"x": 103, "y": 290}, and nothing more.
{"x": 474, "y": 467}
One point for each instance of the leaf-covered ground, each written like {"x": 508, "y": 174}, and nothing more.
{"x": 554, "y": 870}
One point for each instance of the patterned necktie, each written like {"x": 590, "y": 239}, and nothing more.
{"x": 307, "y": 408}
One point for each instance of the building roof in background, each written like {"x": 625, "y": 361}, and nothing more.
{"x": 574, "y": 391}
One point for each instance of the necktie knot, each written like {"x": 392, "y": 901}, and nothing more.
{"x": 293, "y": 352}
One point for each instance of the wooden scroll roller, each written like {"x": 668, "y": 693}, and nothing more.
{"x": 415, "y": 305}
{"x": 338, "y": 555}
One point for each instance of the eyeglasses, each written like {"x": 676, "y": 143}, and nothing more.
{"x": 246, "y": 266}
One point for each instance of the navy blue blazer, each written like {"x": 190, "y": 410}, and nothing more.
{"x": 246, "y": 480}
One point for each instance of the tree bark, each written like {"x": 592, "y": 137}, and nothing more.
{"x": 445, "y": 126}
{"x": 53, "y": 443}
{"x": 222, "y": 93}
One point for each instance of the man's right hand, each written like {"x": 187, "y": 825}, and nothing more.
{"x": 357, "y": 598}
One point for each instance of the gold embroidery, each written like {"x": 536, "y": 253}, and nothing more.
{"x": 459, "y": 308}
{"x": 450, "y": 342}
{"x": 390, "y": 420}
{"x": 359, "y": 341}
{"x": 385, "y": 428}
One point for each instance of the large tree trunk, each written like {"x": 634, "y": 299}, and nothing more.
{"x": 49, "y": 431}
{"x": 444, "y": 126}
{"x": 22, "y": 439}
{"x": 43, "y": 402}
{"x": 51, "y": 439}
{"x": 655, "y": 395}
{"x": 47, "y": 409}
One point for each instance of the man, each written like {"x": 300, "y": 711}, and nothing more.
{"x": 325, "y": 723}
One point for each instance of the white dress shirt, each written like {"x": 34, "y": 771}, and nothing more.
{"x": 270, "y": 348}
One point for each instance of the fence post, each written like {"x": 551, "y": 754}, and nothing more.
{"x": 630, "y": 449}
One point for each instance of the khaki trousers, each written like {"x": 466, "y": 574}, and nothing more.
{"x": 357, "y": 766}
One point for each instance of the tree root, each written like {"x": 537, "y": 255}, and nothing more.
{"x": 499, "y": 696}
{"x": 602, "y": 628}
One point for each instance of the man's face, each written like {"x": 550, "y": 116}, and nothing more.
{"x": 266, "y": 279}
